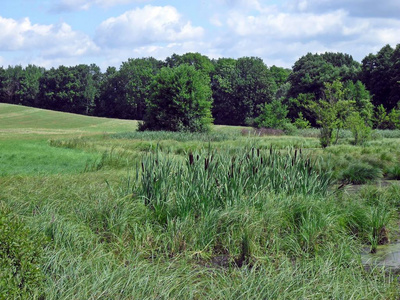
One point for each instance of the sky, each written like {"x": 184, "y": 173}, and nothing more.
{"x": 50, "y": 33}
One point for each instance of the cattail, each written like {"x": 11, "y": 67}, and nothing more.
{"x": 191, "y": 159}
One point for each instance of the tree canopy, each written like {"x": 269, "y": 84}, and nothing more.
{"x": 180, "y": 101}
{"x": 242, "y": 89}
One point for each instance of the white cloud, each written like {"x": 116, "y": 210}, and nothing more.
{"x": 363, "y": 8}
{"x": 144, "y": 26}
{"x": 284, "y": 25}
{"x": 46, "y": 40}
{"x": 277, "y": 31}
{"x": 282, "y": 34}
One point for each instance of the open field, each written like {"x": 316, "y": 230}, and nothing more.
{"x": 90, "y": 209}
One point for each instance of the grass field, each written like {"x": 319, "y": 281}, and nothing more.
{"x": 91, "y": 209}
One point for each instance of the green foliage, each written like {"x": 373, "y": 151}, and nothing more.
{"x": 280, "y": 75}
{"x": 273, "y": 115}
{"x": 331, "y": 112}
{"x": 252, "y": 235}
{"x": 394, "y": 172}
{"x": 378, "y": 76}
{"x": 137, "y": 76}
{"x": 240, "y": 88}
{"x": 358, "y": 93}
{"x": 300, "y": 105}
{"x": 210, "y": 181}
{"x": 380, "y": 118}
{"x": 360, "y": 130}
{"x": 394, "y": 118}
{"x": 124, "y": 92}
{"x": 301, "y": 122}
{"x": 385, "y": 120}
{"x": 386, "y": 133}
{"x": 360, "y": 173}
{"x": 180, "y": 101}
{"x": 312, "y": 71}
{"x": 200, "y": 62}
{"x": 176, "y": 136}
{"x": 21, "y": 276}
{"x": 70, "y": 89}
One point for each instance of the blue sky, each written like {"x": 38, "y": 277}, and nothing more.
{"x": 50, "y": 33}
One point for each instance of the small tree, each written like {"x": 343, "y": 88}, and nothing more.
{"x": 273, "y": 115}
{"x": 301, "y": 122}
{"x": 385, "y": 120}
{"x": 360, "y": 129}
{"x": 331, "y": 112}
{"x": 180, "y": 101}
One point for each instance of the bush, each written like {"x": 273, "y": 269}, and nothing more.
{"x": 360, "y": 173}
{"x": 289, "y": 128}
{"x": 388, "y": 134}
{"x": 394, "y": 172}
{"x": 273, "y": 116}
{"x": 301, "y": 122}
{"x": 20, "y": 257}
{"x": 361, "y": 131}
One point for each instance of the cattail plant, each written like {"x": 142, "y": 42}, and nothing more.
{"x": 220, "y": 179}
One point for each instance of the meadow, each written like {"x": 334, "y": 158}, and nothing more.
{"x": 92, "y": 209}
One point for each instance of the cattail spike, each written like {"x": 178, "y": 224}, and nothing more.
{"x": 191, "y": 159}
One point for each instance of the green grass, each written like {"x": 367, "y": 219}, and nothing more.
{"x": 25, "y": 134}
{"x": 37, "y": 158}
{"x": 130, "y": 215}
{"x": 19, "y": 119}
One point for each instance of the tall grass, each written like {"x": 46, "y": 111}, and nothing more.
{"x": 236, "y": 220}
{"x": 176, "y": 136}
{"x": 211, "y": 180}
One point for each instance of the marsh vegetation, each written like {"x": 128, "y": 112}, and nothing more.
{"x": 99, "y": 211}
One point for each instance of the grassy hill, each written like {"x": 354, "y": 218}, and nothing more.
{"x": 21, "y": 120}
{"x": 25, "y": 133}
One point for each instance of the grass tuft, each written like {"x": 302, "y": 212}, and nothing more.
{"x": 360, "y": 173}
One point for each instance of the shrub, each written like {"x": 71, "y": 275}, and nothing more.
{"x": 20, "y": 257}
{"x": 301, "y": 122}
{"x": 360, "y": 173}
{"x": 394, "y": 172}
{"x": 361, "y": 131}
{"x": 273, "y": 116}
{"x": 388, "y": 134}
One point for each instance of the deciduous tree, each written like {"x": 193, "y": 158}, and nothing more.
{"x": 180, "y": 101}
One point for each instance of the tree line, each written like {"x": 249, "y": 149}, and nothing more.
{"x": 243, "y": 91}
